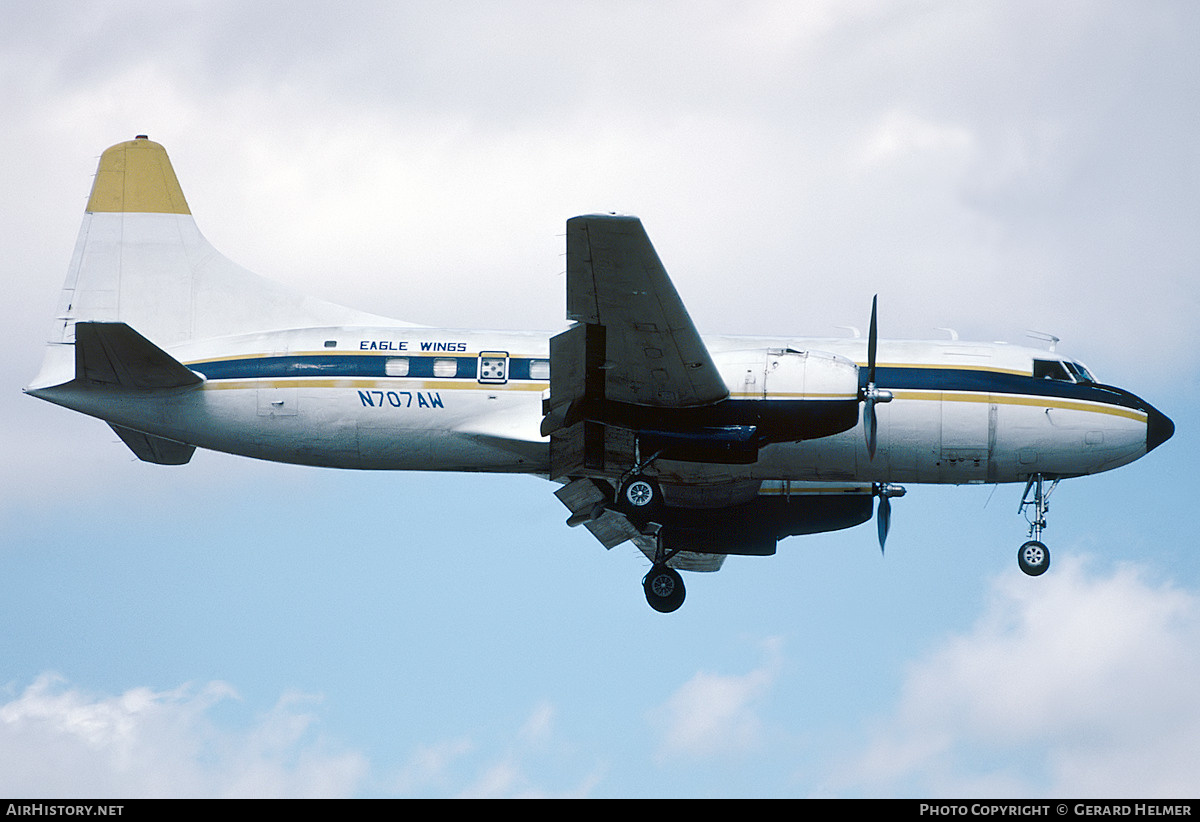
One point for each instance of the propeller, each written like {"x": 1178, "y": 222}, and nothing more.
{"x": 871, "y": 394}
{"x": 885, "y": 491}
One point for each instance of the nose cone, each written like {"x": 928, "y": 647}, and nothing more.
{"x": 1159, "y": 428}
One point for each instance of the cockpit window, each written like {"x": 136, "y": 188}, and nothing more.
{"x": 1050, "y": 370}
{"x": 1080, "y": 373}
{"x": 1063, "y": 370}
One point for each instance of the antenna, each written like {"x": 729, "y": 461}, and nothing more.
{"x": 1040, "y": 335}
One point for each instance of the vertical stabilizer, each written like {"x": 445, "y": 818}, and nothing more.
{"x": 136, "y": 177}
{"x": 141, "y": 260}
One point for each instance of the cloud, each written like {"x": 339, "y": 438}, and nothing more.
{"x": 902, "y": 133}
{"x": 430, "y": 766}
{"x": 1081, "y": 684}
{"x": 57, "y": 741}
{"x": 716, "y": 714}
{"x": 533, "y": 757}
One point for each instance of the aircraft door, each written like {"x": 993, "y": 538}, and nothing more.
{"x": 493, "y": 367}
{"x": 968, "y": 423}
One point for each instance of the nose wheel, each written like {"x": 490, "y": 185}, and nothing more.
{"x": 1034, "y": 557}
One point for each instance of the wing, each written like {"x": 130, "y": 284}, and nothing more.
{"x": 653, "y": 354}
{"x": 632, "y": 381}
{"x": 631, "y": 355}
{"x": 632, "y": 351}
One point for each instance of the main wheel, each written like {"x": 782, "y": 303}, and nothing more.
{"x": 664, "y": 589}
{"x": 639, "y": 498}
{"x": 1034, "y": 558}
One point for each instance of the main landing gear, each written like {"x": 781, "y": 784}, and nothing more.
{"x": 1034, "y": 557}
{"x": 663, "y": 585}
{"x": 638, "y": 496}
{"x": 664, "y": 588}
{"x": 639, "y": 499}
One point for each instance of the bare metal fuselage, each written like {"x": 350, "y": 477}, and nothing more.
{"x": 415, "y": 399}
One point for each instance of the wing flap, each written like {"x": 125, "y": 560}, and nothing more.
{"x": 684, "y": 560}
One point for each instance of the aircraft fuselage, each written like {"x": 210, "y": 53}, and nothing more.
{"x": 446, "y": 400}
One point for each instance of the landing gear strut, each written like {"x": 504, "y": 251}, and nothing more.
{"x": 1034, "y": 557}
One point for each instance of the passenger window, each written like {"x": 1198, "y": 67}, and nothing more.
{"x": 539, "y": 369}
{"x": 445, "y": 367}
{"x": 1050, "y": 370}
{"x": 396, "y": 367}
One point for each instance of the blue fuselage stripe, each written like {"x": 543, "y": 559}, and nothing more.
{"x": 930, "y": 378}
{"x": 996, "y": 382}
{"x": 337, "y": 365}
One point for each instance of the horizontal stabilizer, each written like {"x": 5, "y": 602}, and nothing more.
{"x": 149, "y": 448}
{"x": 114, "y": 354}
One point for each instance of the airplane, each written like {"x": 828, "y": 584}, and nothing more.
{"x": 692, "y": 448}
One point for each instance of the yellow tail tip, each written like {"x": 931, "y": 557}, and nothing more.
{"x": 136, "y": 176}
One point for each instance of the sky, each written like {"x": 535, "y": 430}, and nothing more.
{"x": 235, "y": 628}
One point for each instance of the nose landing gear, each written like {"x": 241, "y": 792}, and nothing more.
{"x": 1034, "y": 557}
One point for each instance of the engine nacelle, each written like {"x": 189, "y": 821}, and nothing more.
{"x": 776, "y": 395}
{"x": 795, "y": 395}
{"x": 753, "y": 528}
{"x": 810, "y": 375}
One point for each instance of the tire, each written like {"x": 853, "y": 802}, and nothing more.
{"x": 664, "y": 589}
{"x": 1034, "y": 558}
{"x": 639, "y": 493}
{"x": 639, "y": 499}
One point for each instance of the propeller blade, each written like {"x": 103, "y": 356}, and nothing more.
{"x": 870, "y": 425}
{"x": 872, "y": 342}
{"x": 884, "y": 519}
